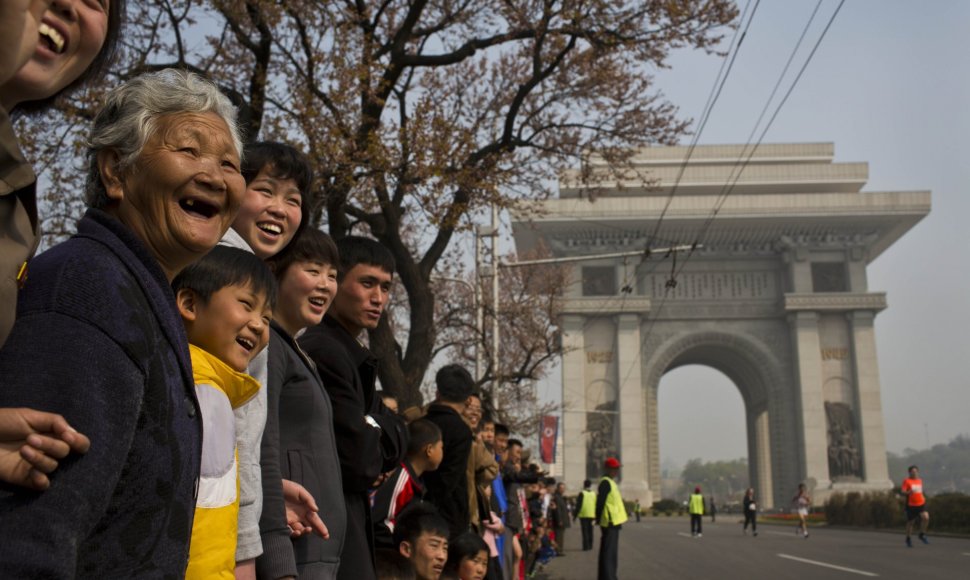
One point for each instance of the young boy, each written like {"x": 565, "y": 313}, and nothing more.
{"x": 425, "y": 451}
{"x": 226, "y": 301}
{"x": 421, "y": 536}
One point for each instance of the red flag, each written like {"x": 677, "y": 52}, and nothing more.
{"x": 547, "y": 438}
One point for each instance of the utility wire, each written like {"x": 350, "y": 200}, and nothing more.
{"x": 716, "y": 89}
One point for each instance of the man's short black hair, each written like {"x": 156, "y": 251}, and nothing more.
{"x": 418, "y": 518}
{"x": 225, "y": 266}
{"x": 310, "y": 245}
{"x": 281, "y": 161}
{"x": 911, "y": 467}
{"x": 587, "y": 483}
{"x": 501, "y": 429}
{"x": 392, "y": 565}
{"x": 421, "y": 433}
{"x": 455, "y": 384}
{"x": 513, "y": 442}
{"x": 356, "y": 250}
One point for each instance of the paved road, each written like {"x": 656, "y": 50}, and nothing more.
{"x": 662, "y": 549}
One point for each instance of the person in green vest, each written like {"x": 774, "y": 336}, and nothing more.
{"x": 695, "y": 506}
{"x": 585, "y": 509}
{"x": 610, "y": 513}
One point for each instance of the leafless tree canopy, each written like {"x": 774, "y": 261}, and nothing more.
{"x": 416, "y": 114}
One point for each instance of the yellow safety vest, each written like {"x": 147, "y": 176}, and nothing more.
{"x": 614, "y": 512}
{"x": 587, "y": 509}
{"x": 696, "y": 504}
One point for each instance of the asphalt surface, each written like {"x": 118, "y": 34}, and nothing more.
{"x": 662, "y": 548}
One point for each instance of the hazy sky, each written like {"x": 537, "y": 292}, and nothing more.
{"x": 889, "y": 86}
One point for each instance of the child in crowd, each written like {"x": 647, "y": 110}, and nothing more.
{"x": 541, "y": 547}
{"x": 421, "y": 536}
{"x": 226, "y": 301}
{"x": 299, "y": 448}
{"x": 467, "y": 558}
{"x": 425, "y": 451}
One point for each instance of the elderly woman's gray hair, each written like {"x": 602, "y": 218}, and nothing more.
{"x": 130, "y": 115}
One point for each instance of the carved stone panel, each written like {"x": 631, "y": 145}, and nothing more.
{"x": 845, "y": 462}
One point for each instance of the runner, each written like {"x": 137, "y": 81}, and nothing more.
{"x": 912, "y": 488}
{"x": 802, "y": 502}
{"x": 750, "y": 512}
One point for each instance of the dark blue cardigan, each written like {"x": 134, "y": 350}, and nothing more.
{"x": 99, "y": 340}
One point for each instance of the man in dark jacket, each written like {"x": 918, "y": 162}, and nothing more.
{"x": 559, "y": 516}
{"x": 370, "y": 440}
{"x": 447, "y": 484}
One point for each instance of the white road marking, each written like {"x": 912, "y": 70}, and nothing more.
{"x": 790, "y": 535}
{"x": 824, "y": 565}
{"x": 685, "y": 535}
{"x": 966, "y": 553}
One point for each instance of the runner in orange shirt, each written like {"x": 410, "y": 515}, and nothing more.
{"x": 912, "y": 488}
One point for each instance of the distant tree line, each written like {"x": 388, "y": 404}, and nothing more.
{"x": 945, "y": 467}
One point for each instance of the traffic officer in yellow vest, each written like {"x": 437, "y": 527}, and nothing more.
{"x": 585, "y": 510}
{"x": 695, "y": 506}
{"x": 610, "y": 513}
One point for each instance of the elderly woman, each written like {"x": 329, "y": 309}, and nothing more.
{"x": 99, "y": 340}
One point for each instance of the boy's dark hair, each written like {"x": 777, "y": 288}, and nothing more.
{"x": 392, "y": 565}
{"x": 117, "y": 12}
{"x": 417, "y": 518}
{"x": 455, "y": 384}
{"x": 501, "y": 429}
{"x": 356, "y": 250}
{"x": 225, "y": 266}
{"x": 513, "y": 441}
{"x": 464, "y": 545}
{"x": 310, "y": 245}
{"x": 911, "y": 467}
{"x": 421, "y": 433}
{"x": 486, "y": 418}
{"x": 281, "y": 161}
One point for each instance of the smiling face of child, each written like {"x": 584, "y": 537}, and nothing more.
{"x": 233, "y": 324}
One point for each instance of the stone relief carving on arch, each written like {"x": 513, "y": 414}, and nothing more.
{"x": 601, "y": 428}
{"x": 845, "y": 463}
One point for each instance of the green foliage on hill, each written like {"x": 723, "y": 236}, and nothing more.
{"x": 943, "y": 467}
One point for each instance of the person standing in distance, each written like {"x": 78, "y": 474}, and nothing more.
{"x": 695, "y": 506}
{"x": 912, "y": 488}
{"x": 371, "y": 440}
{"x": 585, "y": 510}
{"x": 611, "y": 514}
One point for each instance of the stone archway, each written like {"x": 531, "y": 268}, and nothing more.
{"x": 752, "y": 367}
{"x": 777, "y": 298}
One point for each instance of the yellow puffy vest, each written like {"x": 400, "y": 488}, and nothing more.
{"x": 614, "y": 512}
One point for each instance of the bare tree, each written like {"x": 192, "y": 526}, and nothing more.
{"x": 415, "y": 113}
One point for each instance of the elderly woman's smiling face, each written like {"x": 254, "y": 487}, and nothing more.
{"x": 182, "y": 192}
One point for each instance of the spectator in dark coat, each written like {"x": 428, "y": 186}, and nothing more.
{"x": 371, "y": 440}
{"x": 299, "y": 449}
{"x": 559, "y": 516}
{"x": 448, "y": 484}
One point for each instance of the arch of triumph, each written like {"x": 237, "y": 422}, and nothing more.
{"x": 777, "y": 299}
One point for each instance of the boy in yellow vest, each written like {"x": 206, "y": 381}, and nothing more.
{"x": 226, "y": 301}
{"x": 610, "y": 513}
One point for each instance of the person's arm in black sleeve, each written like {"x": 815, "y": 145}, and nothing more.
{"x": 601, "y": 492}
{"x": 394, "y": 436}
{"x": 98, "y": 388}
{"x": 358, "y": 442}
{"x": 278, "y": 559}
